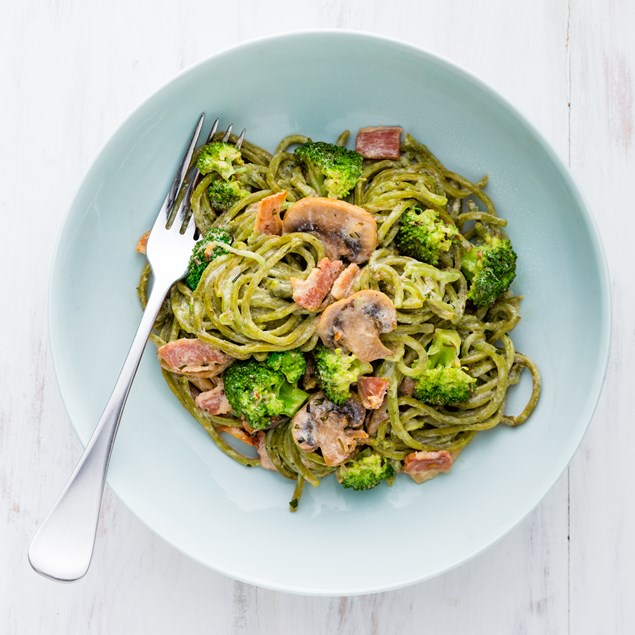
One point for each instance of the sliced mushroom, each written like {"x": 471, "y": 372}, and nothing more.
{"x": 376, "y": 417}
{"x": 335, "y": 430}
{"x": 304, "y": 428}
{"x": 356, "y": 322}
{"x": 407, "y": 387}
{"x": 346, "y": 231}
{"x": 309, "y": 381}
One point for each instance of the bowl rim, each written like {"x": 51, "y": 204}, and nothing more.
{"x": 604, "y": 347}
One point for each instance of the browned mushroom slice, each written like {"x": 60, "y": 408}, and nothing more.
{"x": 356, "y": 322}
{"x": 335, "y": 430}
{"x": 346, "y": 231}
{"x": 407, "y": 387}
{"x": 376, "y": 417}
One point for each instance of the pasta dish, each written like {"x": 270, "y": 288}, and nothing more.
{"x": 345, "y": 312}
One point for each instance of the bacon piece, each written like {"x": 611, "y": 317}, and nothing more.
{"x": 238, "y": 433}
{"x": 344, "y": 284}
{"x": 261, "y": 447}
{"x": 372, "y": 390}
{"x": 268, "y": 214}
{"x": 247, "y": 427}
{"x": 311, "y": 292}
{"x": 423, "y": 466}
{"x": 379, "y": 142}
{"x": 193, "y": 357}
{"x": 214, "y": 401}
{"x": 143, "y": 242}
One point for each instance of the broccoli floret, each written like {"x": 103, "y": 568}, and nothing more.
{"x": 204, "y": 252}
{"x": 423, "y": 235}
{"x": 220, "y": 157}
{"x": 290, "y": 363}
{"x": 490, "y": 268}
{"x": 332, "y": 170}
{"x": 336, "y": 371}
{"x": 444, "y": 381}
{"x": 444, "y": 385}
{"x": 365, "y": 471}
{"x": 223, "y": 194}
{"x": 259, "y": 393}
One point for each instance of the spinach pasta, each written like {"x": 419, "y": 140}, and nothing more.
{"x": 344, "y": 311}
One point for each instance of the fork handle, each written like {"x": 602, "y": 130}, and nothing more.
{"x": 63, "y": 546}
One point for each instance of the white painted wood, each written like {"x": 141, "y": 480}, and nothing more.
{"x": 69, "y": 73}
{"x": 602, "y": 474}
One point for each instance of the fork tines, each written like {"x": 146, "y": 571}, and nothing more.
{"x": 184, "y": 212}
{"x": 227, "y": 136}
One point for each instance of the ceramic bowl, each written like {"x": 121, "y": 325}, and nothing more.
{"x": 235, "y": 520}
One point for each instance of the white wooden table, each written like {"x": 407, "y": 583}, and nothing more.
{"x": 69, "y": 74}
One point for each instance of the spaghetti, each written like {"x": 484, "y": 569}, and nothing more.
{"x": 244, "y": 306}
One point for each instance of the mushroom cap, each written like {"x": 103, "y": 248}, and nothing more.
{"x": 356, "y": 322}
{"x": 346, "y": 231}
{"x": 334, "y": 429}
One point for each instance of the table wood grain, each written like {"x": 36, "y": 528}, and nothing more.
{"x": 69, "y": 74}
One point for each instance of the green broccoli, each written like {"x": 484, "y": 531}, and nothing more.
{"x": 290, "y": 363}
{"x": 365, "y": 471}
{"x": 444, "y": 385}
{"x": 220, "y": 157}
{"x": 223, "y": 194}
{"x": 203, "y": 253}
{"x": 331, "y": 170}
{"x": 444, "y": 381}
{"x": 491, "y": 268}
{"x": 259, "y": 393}
{"x": 336, "y": 371}
{"x": 423, "y": 235}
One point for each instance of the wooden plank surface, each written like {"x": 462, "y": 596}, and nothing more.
{"x": 602, "y": 510}
{"x": 69, "y": 74}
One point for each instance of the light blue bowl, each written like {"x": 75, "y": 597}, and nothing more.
{"x": 166, "y": 468}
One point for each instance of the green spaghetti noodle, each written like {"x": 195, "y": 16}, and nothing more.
{"x": 245, "y": 306}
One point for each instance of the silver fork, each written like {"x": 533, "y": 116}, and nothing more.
{"x": 63, "y": 545}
